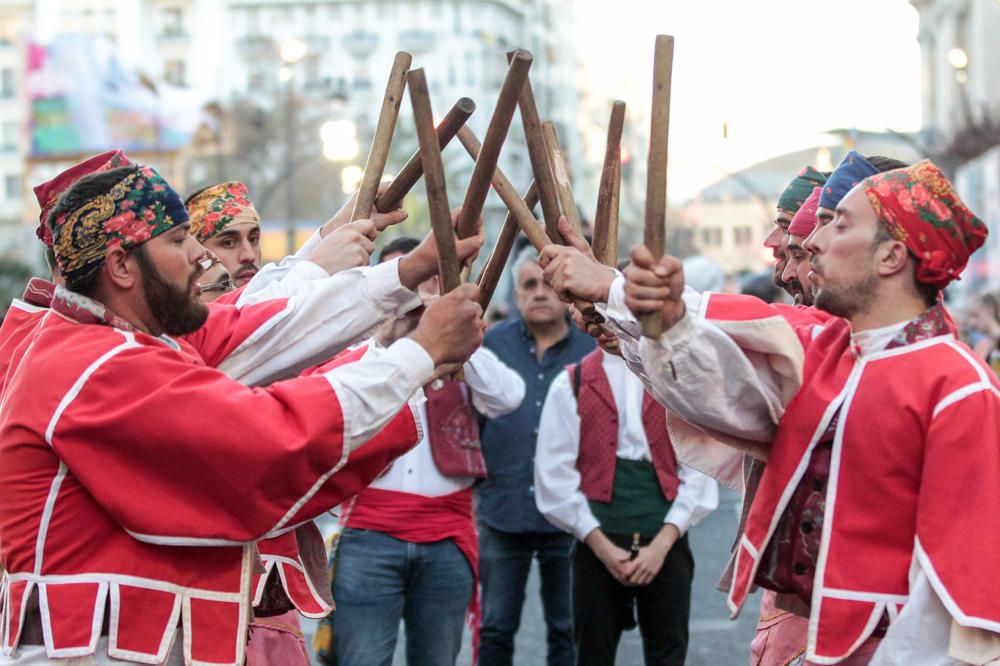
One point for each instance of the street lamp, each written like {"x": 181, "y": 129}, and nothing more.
{"x": 340, "y": 140}
{"x": 959, "y": 61}
{"x": 292, "y": 51}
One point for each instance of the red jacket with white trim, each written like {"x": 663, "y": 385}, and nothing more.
{"x": 915, "y": 478}
{"x": 116, "y": 448}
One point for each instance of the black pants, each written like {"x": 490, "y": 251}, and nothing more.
{"x": 600, "y": 604}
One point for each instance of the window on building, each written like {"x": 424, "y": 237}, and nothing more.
{"x": 173, "y": 21}
{"x": 711, "y": 237}
{"x": 742, "y": 235}
{"x": 9, "y": 136}
{"x": 12, "y": 187}
{"x": 10, "y": 30}
{"x": 174, "y": 72}
{"x": 8, "y": 83}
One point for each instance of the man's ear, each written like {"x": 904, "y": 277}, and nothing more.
{"x": 121, "y": 268}
{"x": 891, "y": 258}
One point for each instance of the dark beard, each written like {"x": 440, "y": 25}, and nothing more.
{"x": 787, "y": 287}
{"x": 174, "y": 309}
{"x": 850, "y": 300}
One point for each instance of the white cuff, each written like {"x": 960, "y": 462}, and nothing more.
{"x": 387, "y": 292}
{"x": 414, "y": 361}
{"x": 585, "y": 526}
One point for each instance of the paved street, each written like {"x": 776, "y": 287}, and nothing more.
{"x": 715, "y": 640}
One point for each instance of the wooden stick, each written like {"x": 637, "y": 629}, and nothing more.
{"x": 605, "y": 242}
{"x": 490, "y": 277}
{"x": 517, "y": 207}
{"x": 616, "y": 195}
{"x": 541, "y": 164}
{"x": 434, "y": 181}
{"x": 413, "y": 170}
{"x": 379, "y": 152}
{"x": 656, "y": 180}
{"x": 496, "y": 133}
{"x": 561, "y": 173}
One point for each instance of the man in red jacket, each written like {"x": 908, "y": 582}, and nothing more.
{"x": 879, "y": 499}
{"x": 119, "y": 443}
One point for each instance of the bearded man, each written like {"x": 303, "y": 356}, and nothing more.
{"x": 789, "y": 202}
{"x": 879, "y": 428}
{"x": 119, "y": 443}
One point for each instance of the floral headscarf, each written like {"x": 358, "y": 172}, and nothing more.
{"x": 139, "y": 207}
{"x": 48, "y": 192}
{"x": 215, "y": 208}
{"x": 920, "y": 207}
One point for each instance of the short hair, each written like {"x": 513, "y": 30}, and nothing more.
{"x": 883, "y": 163}
{"x": 78, "y": 194}
{"x": 529, "y": 255}
{"x": 402, "y": 244}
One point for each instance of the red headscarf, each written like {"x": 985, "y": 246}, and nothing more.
{"x": 920, "y": 207}
{"x": 805, "y": 219}
{"x": 48, "y": 193}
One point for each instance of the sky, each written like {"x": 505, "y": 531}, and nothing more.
{"x": 777, "y": 73}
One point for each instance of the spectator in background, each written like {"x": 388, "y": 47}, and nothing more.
{"x": 538, "y": 345}
{"x": 984, "y": 321}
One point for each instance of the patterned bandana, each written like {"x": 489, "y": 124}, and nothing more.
{"x": 48, "y": 193}
{"x": 799, "y": 189}
{"x": 216, "y": 207}
{"x": 920, "y": 207}
{"x": 805, "y": 220}
{"x": 852, "y": 170}
{"x": 141, "y": 206}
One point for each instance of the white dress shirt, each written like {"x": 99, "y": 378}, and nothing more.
{"x": 494, "y": 389}
{"x": 557, "y": 479}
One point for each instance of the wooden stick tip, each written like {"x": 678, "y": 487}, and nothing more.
{"x": 523, "y": 54}
{"x": 466, "y": 105}
{"x": 403, "y": 57}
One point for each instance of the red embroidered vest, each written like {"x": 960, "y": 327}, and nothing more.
{"x": 599, "y": 434}
{"x": 453, "y": 430}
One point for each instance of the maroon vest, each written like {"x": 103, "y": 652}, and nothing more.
{"x": 599, "y": 433}
{"x": 453, "y": 430}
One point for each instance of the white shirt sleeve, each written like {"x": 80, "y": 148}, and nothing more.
{"x": 698, "y": 372}
{"x": 270, "y": 273}
{"x": 495, "y": 389}
{"x": 557, "y": 480}
{"x": 322, "y": 318}
{"x": 372, "y": 390}
{"x": 697, "y": 496}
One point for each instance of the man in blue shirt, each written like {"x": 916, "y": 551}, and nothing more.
{"x": 538, "y": 345}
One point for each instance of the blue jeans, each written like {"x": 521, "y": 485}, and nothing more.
{"x": 381, "y": 580}
{"x": 504, "y": 563}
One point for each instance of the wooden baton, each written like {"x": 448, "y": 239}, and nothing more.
{"x": 605, "y": 243}
{"x": 413, "y": 169}
{"x": 561, "y": 173}
{"x": 656, "y": 179}
{"x": 496, "y": 133}
{"x": 490, "y": 277}
{"x": 541, "y": 165}
{"x": 518, "y": 208}
{"x": 379, "y": 152}
{"x": 434, "y": 181}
